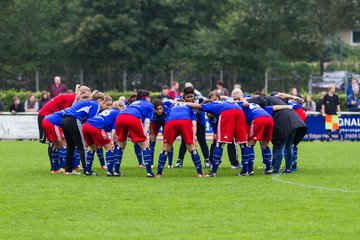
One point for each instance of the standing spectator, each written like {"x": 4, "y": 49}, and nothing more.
{"x": 174, "y": 91}
{"x": 220, "y": 89}
{"x": 319, "y": 103}
{"x": 16, "y": 106}
{"x": 57, "y": 87}
{"x": 309, "y": 105}
{"x": 353, "y": 100}
{"x": 31, "y": 104}
{"x": 330, "y": 109}
{"x": 353, "y": 87}
{"x": 164, "y": 96}
{"x": 45, "y": 98}
{"x": 237, "y": 85}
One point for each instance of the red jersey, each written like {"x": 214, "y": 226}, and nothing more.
{"x": 58, "y": 103}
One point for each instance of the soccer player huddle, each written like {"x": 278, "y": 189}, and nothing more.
{"x": 78, "y": 125}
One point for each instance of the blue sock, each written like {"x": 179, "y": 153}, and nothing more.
{"x": 100, "y": 153}
{"x": 118, "y": 157}
{"x": 295, "y": 155}
{"x": 110, "y": 159}
{"x": 162, "y": 160}
{"x": 147, "y": 159}
{"x": 170, "y": 156}
{"x": 62, "y": 157}
{"x": 197, "y": 162}
{"x": 89, "y": 160}
{"x": 218, "y": 150}
{"x": 266, "y": 155}
{"x": 251, "y": 158}
{"x": 55, "y": 157}
{"x": 138, "y": 153}
{"x": 152, "y": 149}
{"x": 244, "y": 158}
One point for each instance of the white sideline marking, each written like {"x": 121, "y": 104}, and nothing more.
{"x": 276, "y": 178}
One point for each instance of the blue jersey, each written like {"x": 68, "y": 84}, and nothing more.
{"x": 141, "y": 109}
{"x": 269, "y": 110}
{"x": 105, "y": 120}
{"x": 83, "y": 110}
{"x": 213, "y": 124}
{"x": 217, "y": 107}
{"x": 294, "y": 104}
{"x": 55, "y": 118}
{"x": 180, "y": 111}
{"x": 253, "y": 111}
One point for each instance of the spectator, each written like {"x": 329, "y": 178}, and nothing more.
{"x": 319, "y": 103}
{"x": 353, "y": 101}
{"x": 220, "y": 89}
{"x": 45, "y": 98}
{"x": 164, "y": 96}
{"x": 309, "y": 105}
{"x": 330, "y": 109}
{"x": 16, "y": 106}
{"x": 174, "y": 91}
{"x": 57, "y": 87}
{"x": 1, "y": 106}
{"x": 31, "y": 104}
{"x": 237, "y": 85}
{"x": 354, "y": 87}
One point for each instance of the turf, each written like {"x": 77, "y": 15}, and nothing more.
{"x": 319, "y": 201}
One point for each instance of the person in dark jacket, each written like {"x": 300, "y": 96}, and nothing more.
{"x": 16, "y": 106}
{"x": 289, "y": 129}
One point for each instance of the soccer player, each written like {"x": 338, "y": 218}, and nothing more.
{"x": 231, "y": 148}
{"x": 71, "y": 124}
{"x": 189, "y": 96}
{"x": 135, "y": 119}
{"x": 232, "y": 125}
{"x": 58, "y": 103}
{"x": 54, "y": 134}
{"x": 157, "y": 122}
{"x": 100, "y": 150}
{"x": 260, "y": 128}
{"x": 95, "y": 134}
{"x": 181, "y": 120}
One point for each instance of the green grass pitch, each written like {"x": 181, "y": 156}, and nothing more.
{"x": 320, "y": 201}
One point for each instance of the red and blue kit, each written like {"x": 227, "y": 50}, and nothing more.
{"x": 51, "y": 126}
{"x": 232, "y": 123}
{"x": 297, "y": 108}
{"x": 58, "y": 103}
{"x": 131, "y": 121}
{"x": 260, "y": 123}
{"x": 179, "y": 123}
{"x": 95, "y": 129}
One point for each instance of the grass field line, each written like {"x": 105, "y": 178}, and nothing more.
{"x": 277, "y": 178}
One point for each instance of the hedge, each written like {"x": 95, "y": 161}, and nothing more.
{"x": 6, "y": 96}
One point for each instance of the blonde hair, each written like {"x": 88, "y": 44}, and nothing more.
{"x": 97, "y": 95}
{"x": 119, "y": 105}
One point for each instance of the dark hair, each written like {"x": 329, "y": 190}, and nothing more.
{"x": 188, "y": 90}
{"x": 219, "y": 82}
{"x": 142, "y": 94}
{"x": 131, "y": 99}
{"x": 258, "y": 93}
{"x": 273, "y": 93}
{"x": 157, "y": 102}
